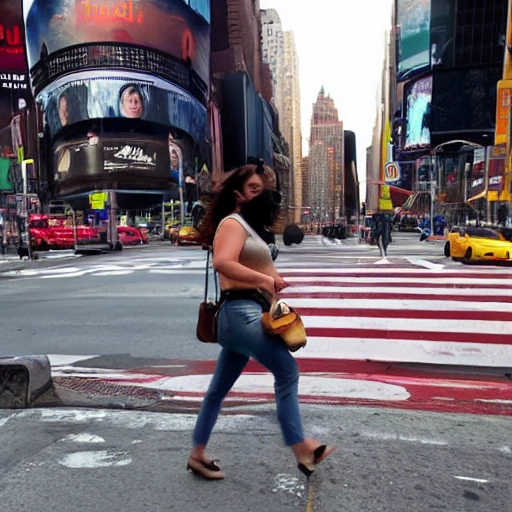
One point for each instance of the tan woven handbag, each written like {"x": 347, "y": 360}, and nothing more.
{"x": 282, "y": 320}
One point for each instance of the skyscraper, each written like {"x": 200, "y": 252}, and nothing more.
{"x": 326, "y": 162}
{"x": 279, "y": 51}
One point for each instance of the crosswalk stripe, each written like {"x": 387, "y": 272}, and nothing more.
{"x": 407, "y": 314}
{"x": 390, "y": 292}
{"x": 392, "y": 272}
{"x": 404, "y": 314}
{"x": 403, "y": 281}
{"x": 393, "y": 306}
{"x": 405, "y": 350}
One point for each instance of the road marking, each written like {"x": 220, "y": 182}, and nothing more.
{"x": 469, "y": 479}
{"x": 393, "y": 291}
{"x": 445, "y": 281}
{"x": 310, "y": 496}
{"x": 264, "y": 384}
{"x": 403, "y": 350}
{"x": 425, "y": 263}
{"x": 382, "y": 436}
{"x": 93, "y": 460}
{"x": 402, "y": 304}
{"x": 83, "y": 438}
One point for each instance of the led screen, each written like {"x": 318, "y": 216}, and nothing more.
{"x": 418, "y": 100}
{"x": 413, "y": 18}
{"x": 97, "y": 160}
{"x": 180, "y": 28}
{"x": 14, "y": 88}
{"x": 125, "y": 95}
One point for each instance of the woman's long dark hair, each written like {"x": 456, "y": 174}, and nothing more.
{"x": 224, "y": 201}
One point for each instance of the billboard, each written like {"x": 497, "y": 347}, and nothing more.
{"x": 417, "y": 115}
{"x": 90, "y": 95}
{"x": 413, "y": 18}
{"x": 14, "y": 87}
{"x": 178, "y": 28}
{"x": 96, "y": 161}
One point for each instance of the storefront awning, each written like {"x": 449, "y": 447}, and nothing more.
{"x": 399, "y": 195}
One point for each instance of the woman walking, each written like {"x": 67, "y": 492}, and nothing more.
{"x": 248, "y": 281}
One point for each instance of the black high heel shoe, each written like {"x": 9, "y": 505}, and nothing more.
{"x": 319, "y": 454}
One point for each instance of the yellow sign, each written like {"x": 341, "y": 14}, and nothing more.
{"x": 97, "y": 200}
{"x": 385, "y": 203}
{"x": 502, "y": 111}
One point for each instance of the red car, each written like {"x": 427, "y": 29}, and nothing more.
{"x": 54, "y": 232}
{"x": 131, "y": 235}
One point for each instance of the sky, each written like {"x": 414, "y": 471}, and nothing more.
{"x": 340, "y": 44}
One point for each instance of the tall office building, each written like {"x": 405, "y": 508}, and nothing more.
{"x": 326, "y": 162}
{"x": 279, "y": 51}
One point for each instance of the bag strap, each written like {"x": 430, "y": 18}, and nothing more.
{"x": 207, "y": 277}
{"x": 206, "y": 274}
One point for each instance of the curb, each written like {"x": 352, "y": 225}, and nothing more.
{"x": 22, "y": 380}
{"x": 14, "y": 265}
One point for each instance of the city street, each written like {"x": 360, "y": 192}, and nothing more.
{"x": 407, "y": 369}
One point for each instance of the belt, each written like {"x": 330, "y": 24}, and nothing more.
{"x": 247, "y": 294}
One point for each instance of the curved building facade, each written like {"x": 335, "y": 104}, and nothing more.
{"x": 122, "y": 88}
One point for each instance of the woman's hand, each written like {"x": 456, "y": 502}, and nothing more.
{"x": 267, "y": 285}
{"x": 280, "y": 284}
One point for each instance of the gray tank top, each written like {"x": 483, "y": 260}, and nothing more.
{"x": 255, "y": 253}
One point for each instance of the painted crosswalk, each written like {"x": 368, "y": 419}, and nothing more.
{"x": 404, "y": 314}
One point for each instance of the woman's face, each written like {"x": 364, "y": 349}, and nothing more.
{"x": 253, "y": 187}
{"x": 63, "y": 111}
{"x": 132, "y": 105}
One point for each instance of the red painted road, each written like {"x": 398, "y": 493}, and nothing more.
{"x": 415, "y": 387}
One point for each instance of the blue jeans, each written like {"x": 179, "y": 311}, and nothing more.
{"x": 241, "y": 336}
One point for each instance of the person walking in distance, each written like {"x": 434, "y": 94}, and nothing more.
{"x": 248, "y": 281}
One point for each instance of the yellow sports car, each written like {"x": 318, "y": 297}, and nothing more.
{"x": 187, "y": 234}
{"x": 477, "y": 244}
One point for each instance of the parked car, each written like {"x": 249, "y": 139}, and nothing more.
{"x": 131, "y": 235}
{"x": 181, "y": 234}
{"x": 54, "y": 232}
{"x": 477, "y": 244}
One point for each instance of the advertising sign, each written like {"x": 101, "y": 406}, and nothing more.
{"x": 126, "y": 95}
{"x": 98, "y": 161}
{"x": 418, "y": 100}
{"x": 502, "y": 111}
{"x": 14, "y": 87}
{"x": 413, "y": 18}
{"x": 392, "y": 174}
{"x": 179, "y": 28}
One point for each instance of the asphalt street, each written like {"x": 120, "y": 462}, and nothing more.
{"x": 137, "y": 309}
{"x": 89, "y": 460}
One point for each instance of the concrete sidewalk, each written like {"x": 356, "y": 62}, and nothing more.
{"x": 87, "y": 460}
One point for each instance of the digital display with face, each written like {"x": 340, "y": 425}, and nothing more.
{"x": 123, "y": 95}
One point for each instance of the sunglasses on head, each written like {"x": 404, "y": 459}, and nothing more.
{"x": 259, "y": 163}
